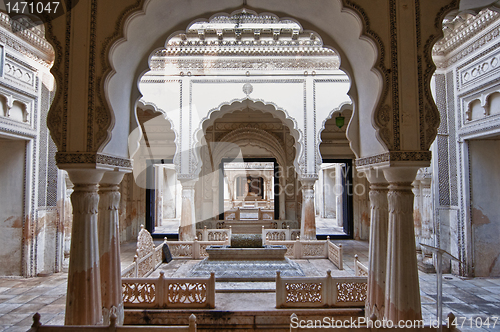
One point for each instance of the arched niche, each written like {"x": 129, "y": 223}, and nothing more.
{"x": 243, "y": 104}
{"x": 158, "y": 140}
{"x": 233, "y": 144}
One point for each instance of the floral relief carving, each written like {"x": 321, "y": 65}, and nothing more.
{"x": 351, "y": 291}
{"x": 304, "y": 292}
{"x": 139, "y": 292}
{"x": 181, "y": 250}
{"x": 187, "y": 293}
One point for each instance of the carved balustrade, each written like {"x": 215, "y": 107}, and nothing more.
{"x": 214, "y": 234}
{"x": 147, "y": 258}
{"x": 279, "y": 234}
{"x": 192, "y": 249}
{"x": 320, "y": 292}
{"x": 360, "y": 270}
{"x": 38, "y": 327}
{"x": 164, "y": 292}
{"x": 299, "y": 249}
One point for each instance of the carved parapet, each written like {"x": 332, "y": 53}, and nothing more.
{"x": 317, "y": 292}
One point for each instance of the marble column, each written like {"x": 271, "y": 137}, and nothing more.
{"x": 377, "y": 255}
{"x": 187, "y": 230}
{"x": 83, "y": 298}
{"x": 402, "y": 293}
{"x": 308, "y": 221}
{"x": 109, "y": 247}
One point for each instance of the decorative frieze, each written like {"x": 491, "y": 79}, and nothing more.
{"x": 33, "y": 45}
{"x": 255, "y": 63}
{"x": 392, "y": 156}
{"x": 68, "y": 158}
{"x": 465, "y": 31}
{"x": 478, "y": 71}
{"x": 19, "y": 73}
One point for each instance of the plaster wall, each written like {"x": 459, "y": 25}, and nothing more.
{"x": 485, "y": 210}
{"x": 12, "y": 207}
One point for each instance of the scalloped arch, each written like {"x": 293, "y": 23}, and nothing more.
{"x": 252, "y": 136}
{"x": 340, "y": 28}
{"x": 256, "y": 104}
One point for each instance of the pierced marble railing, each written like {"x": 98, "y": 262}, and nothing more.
{"x": 279, "y": 234}
{"x": 360, "y": 270}
{"x": 214, "y": 234}
{"x": 335, "y": 254}
{"x": 147, "y": 258}
{"x": 164, "y": 292}
{"x": 192, "y": 249}
{"x": 38, "y": 327}
{"x": 317, "y": 292}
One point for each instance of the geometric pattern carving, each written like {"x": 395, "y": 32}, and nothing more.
{"x": 351, "y": 291}
{"x": 216, "y": 236}
{"x": 276, "y": 236}
{"x": 303, "y": 292}
{"x": 139, "y": 292}
{"x": 187, "y": 293}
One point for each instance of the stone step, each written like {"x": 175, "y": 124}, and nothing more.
{"x": 245, "y": 287}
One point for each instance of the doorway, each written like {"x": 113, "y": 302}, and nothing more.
{"x": 334, "y": 199}
{"x": 249, "y": 189}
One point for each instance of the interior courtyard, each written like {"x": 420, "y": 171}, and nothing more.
{"x": 148, "y": 143}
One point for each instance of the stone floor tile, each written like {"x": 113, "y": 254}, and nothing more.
{"x": 494, "y": 290}
{"x": 8, "y": 307}
{"x": 17, "y": 291}
{"x": 490, "y": 298}
{"x": 57, "y": 320}
{"x": 16, "y": 329}
{"x": 13, "y": 318}
{"x": 28, "y": 308}
{"x": 61, "y": 300}
{"x": 45, "y": 299}
{"x": 52, "y": 308}
{"x": 9, "y": 282}
{"x": 22, "y": 298}
{"x": 488, "y": 308}
{"x": 5, "y": 298}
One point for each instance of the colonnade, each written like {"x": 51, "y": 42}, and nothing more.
{"x": 393, "y": 285}
{"x": 94, "y": 278}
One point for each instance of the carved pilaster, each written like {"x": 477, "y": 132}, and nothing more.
{"x": 402, "y": 294}
{"x": 83, "y": 300}
{"x": 308, "y": 226}
{"x": 109, "y": 247}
